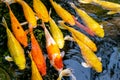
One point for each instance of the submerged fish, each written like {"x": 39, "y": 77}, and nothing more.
{"x": 113, "y": 7}
{"x": 36, "y": 53}
{"x": 89, "y": 56}
{"x": 28, "y": 13}
{"x": 64, "y": 14}
{"x": 56, "y": 33}
{"x": 41, "y": 10}
{"x": 89, "y": 22}
{"x": 16, "y": 50}
{"x": 81, "y": 37}
{"x": 35, "y": 73}
{"x": 17, "y": 28}
{"x": 55, "y": 56}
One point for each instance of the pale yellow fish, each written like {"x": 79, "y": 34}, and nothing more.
{"x": 83, "y": 38}
{"x": 89, "y": 56}
{"x": 113, "y": 7}
{"x": 64, "y": 14}
{"x": 89, "y": 21}
{"x": 28, "y": 13}
{"x": 35, "y": 72}
{"x": 16, "y": 50}
{"x": 41, "y": 10}
{"x": 56, "y": 33}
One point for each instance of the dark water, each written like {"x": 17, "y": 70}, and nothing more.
{"x": 108, "y": 47}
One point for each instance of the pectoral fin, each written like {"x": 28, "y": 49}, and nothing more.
{"x": 69, "y": 38}
{"x": 85, "y": 65}
{"x": 85, "y": 1}
{"x": 112, "y": 12}
{"x": 8, "y": 58}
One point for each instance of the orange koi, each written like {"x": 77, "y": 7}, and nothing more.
{"x": 37, "y": 54}
{"x": 35, "y": 73}
{"x": 17, "y": 29}
{"x": 28, "y": 13}
{"x": 16, "y": 50}
{"x": 89, "y": 56}
{"x": 65, "y": 15}
{"x": 41, "y": 10}
{"x": 80, "y": 36}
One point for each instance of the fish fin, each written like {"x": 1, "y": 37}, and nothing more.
{"x": 61, "y": 27}
{"x": 62, "y": 53}
{"x": 101, "y": 26}
{"x": 100, "y": 58}
{"x": 85, "y": 1}
{"x": 112, "y": 12}
{"x": 8, "y": 58}
{"x": 66, "y": 72}
{"x": 69, "y": 38}
{"x": 9, "y": 1}
{"x": 85, "y": 65}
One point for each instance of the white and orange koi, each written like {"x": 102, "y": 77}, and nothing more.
{"x": 113, "y": 7}
{"x": 80, "y": 36}
{"x": 89, "y": 22}
{"x": 55, "y": 56}
{"x": 89, "y": 56}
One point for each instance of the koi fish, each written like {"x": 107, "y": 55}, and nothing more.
{"x": 67, "y": 17}
{"x": 56, "y": 33}
{"x": 17, "y": 29}
{"x": 55, "y": 56}
{"x": 113, "y": 7}
{"x": 28, "y": 13}
{"x": 36, "y": 53}
{"x": 41, "y": 10}
{"x": 16, "y": 50}
{"x": 53, "y": 50}
{"x": 35, "y": 73}
{"x": 64, "y": 14}
{"x": 89, "y": 22}
{"x": 89, "y": 56}
{"x": 80, "y": 36}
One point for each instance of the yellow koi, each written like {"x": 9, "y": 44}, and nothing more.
{"x": 64, "y": 14}
{"x": 113, "y": 7}
{"x": 80, "y": 36}
{"x": 28, "y": 13}
{"x": 16, "y": 51}
{"x": 41, "y": 10}
{"x": 35, "y": 72}
{"x": 89, "y": 56}
{"x": 89, "y": 22}
{"x": 56, "y": 33}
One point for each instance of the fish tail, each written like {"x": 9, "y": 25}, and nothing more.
{"x": 66, "y": 72}
{"x": 88, "y": 30}
{"x": 72, "y": 5}
{"x": 4, "y": 23}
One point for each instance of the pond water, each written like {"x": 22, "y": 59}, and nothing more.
{"x": 108, "y": 47}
